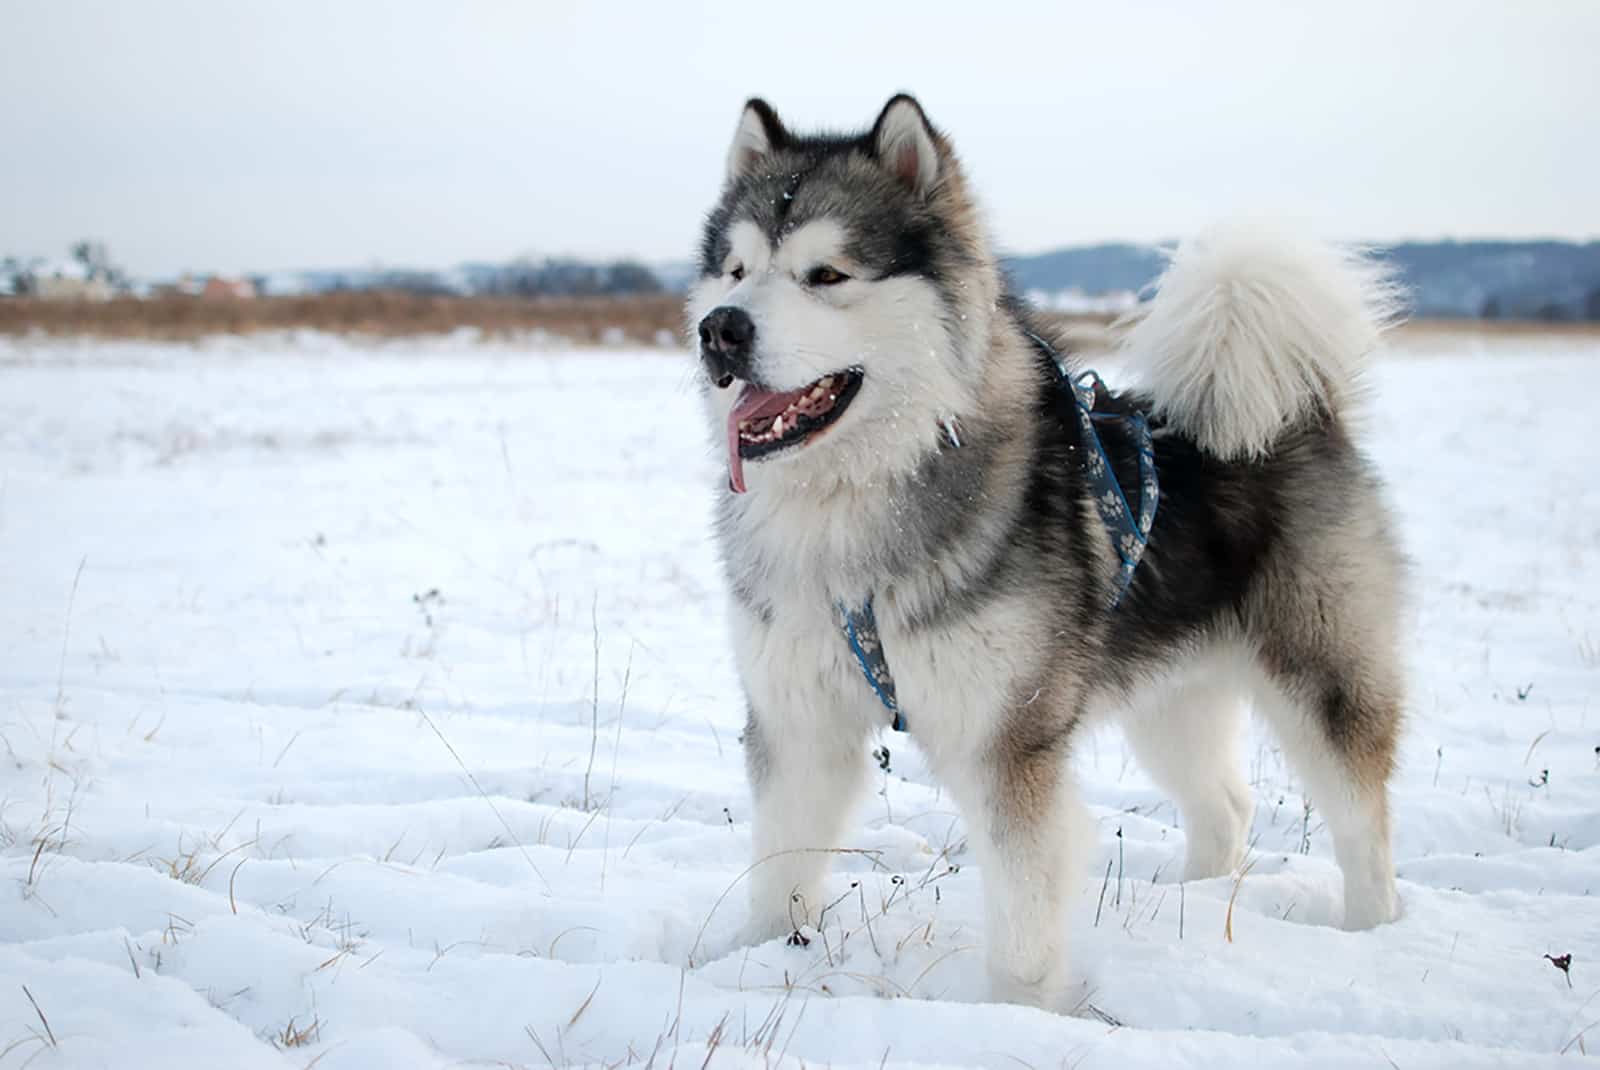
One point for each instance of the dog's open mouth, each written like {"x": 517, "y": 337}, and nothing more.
{"x": 763, "y": 423}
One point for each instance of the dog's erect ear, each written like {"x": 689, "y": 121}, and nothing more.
{"x": 760, "y": 134}
{"x": 904, "y": 143}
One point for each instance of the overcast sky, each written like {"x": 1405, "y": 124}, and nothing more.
{"x": 223, "y": 135}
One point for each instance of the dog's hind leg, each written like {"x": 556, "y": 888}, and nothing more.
{"x": 1187, "y": 740}
{"x": 1338, "y": 726}
{"x": 805, "y": 778}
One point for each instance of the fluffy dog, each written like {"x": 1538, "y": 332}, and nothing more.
{"x": 913, "y": 529}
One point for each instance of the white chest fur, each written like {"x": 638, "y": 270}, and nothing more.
{"x": 955, "y": 680}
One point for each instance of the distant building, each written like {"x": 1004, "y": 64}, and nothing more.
{"x": 222, "y": 288}
{"x": 66, "y": 280}
{"x": 1074, "y": 301}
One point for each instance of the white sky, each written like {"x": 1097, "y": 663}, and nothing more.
{"x": 224, "y": 135}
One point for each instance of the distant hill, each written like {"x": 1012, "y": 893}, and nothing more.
{"x": 1092, "y": 269}
{"x": 1515, "y": 280}
{"x": 1547, "y": 280}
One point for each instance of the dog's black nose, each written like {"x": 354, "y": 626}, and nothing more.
{"x": 727, "y": 339}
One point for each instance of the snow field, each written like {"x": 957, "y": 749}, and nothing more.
{"x": 371, "y": 706}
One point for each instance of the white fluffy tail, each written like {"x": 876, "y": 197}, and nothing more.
{"x": 1249, "y": 331}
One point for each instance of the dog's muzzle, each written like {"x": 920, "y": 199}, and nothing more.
{"x": 727, "y": 340}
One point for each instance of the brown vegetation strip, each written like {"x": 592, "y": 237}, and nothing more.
{"x": 591, "y": 319}
{"x": 582, "y": 320}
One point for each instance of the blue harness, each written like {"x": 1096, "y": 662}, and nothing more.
{"x": 1129, "y": 530}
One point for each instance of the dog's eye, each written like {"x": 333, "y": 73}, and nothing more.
{"x": 826, "y": 276}
{"x": 737, "y": 273}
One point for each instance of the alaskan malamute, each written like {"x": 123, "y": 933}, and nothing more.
{"x": 930, "y": 519}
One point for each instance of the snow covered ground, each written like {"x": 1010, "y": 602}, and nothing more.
{"x": 370, "y": 706}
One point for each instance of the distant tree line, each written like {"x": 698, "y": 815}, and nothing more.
{"x": 526, "y": 277}
{"x": 569, "y": 278}
{"x": 555, "y": 277}
{"x": 1495, "y": 307}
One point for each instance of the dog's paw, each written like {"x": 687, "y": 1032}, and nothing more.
{"x": 760, "y": 929}
{"x": 1371, "y": 907}
{"x": 1048, "y": 992}
{"x": 1212, "y": 857}
{"x": 1216, "y": 839}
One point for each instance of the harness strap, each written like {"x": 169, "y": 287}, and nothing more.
{"x": 1129, "y": 529}
{"x": 861, "y": 632}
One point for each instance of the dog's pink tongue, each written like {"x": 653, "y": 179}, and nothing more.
{"x": 753, "y": 404}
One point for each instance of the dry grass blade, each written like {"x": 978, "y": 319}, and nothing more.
{"x": 48, "y": 1032}
{"x": 285, "y": 750}
{"x": 313, "y": 1063}
{"x": 1227, "y": 924}
{"x": 594, "y": 699}
{"x": 585, "y": 1004}
{"x": 572, "y": 845}
{"x": 1577, "y": 1038}
{"x": 1101, "y": 903}
{"x": 551, "y": 952}
{"x": 233, "y": 904}
{"x": 31, "y": 1038}
{"x": 616, "y": 747}
{"x": 292, "y": 1037}
{"x": 714, "y": 1040}
{"x": 534, "y": 1036}
{"x": 204, "y": 873}
{"x": 1526, "y": 758}
{"x": 526, "y": 857}
{"x": 33, "y": 866}
{"x": 930, "y": 966}
{"x": 751, "y": 868}
{"x": 66, "y": 635}
{"x": 128, "y": 945}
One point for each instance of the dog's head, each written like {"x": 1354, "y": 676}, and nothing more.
{"x": 844, "y": 298}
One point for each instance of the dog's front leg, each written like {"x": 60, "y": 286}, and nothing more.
{"x": 807, "y": 772}
{"x": 1026, "y": 828}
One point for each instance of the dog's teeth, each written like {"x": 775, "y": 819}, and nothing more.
{"x": 777, "y": 424}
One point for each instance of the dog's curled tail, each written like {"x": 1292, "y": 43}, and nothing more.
{"x": 1250, "y": 330}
